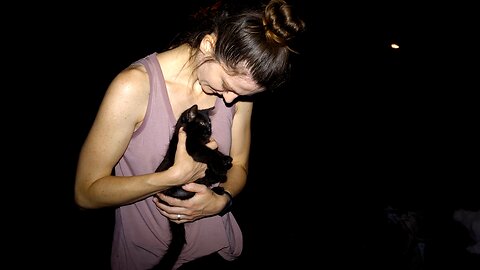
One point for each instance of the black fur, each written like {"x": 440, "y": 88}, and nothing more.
{"x": 197, "y": 125}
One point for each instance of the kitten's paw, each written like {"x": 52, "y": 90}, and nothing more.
{"x": 221, "y": 165}
{"x": 227, "y": 162}
{"x": 179, "y": 193}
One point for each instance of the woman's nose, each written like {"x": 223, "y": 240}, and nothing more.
{"x": 229, "y": 97}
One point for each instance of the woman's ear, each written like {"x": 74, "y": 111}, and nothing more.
{"x": 207, "y": 46}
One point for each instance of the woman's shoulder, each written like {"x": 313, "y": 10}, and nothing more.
{"x": 130, "y": 89}
{"x": 132, "y": 79}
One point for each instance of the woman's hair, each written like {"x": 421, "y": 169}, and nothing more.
{"x": 256, "y": 37}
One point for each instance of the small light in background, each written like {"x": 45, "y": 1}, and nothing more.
{"x": 394, "y": 46}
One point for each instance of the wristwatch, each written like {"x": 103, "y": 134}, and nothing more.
{"x": 221, "y": 191}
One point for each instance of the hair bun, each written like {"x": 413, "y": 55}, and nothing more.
{"x": 281, "y": 23}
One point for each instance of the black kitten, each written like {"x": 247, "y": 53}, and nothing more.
{"x": 196, "y": 123}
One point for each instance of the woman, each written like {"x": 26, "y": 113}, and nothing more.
{"x": 238, "y": 52}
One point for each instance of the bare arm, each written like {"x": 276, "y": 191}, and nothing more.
{"x": 240, "y": 150}
{"x": 121, "y": 112}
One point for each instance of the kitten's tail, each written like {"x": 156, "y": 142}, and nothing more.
{"x": 174, "y": 249}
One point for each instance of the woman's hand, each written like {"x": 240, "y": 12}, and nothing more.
{"x": 186, "y": 169}
{"x": 205, "y": 203}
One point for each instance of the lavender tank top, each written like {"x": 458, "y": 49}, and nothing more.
{"x": 142, "y": 234}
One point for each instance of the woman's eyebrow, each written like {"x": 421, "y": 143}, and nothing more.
{"x": 227, "y": 87}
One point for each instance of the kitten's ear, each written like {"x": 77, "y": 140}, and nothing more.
{"x": 192, "y": 112}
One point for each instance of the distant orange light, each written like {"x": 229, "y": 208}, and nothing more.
{"x": 394, "y": 46}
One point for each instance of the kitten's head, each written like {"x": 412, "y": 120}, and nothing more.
{"x": 196, "y": 123}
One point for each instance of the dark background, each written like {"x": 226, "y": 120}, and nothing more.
{"x": 359, "y": 128}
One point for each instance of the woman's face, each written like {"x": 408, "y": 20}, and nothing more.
{"x": 215, "y": 80}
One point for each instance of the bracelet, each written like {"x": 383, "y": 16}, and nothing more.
{"x": 221, "y": 191}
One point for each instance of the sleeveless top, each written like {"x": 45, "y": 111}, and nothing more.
{"x": 142, "y": 234}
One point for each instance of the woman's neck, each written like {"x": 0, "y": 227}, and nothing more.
{"x": 178, "y": 66}
{"x": 178, "y": 69}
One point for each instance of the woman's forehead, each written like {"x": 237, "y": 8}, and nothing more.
{"x": 241, "y": 79}
{"x": 242, "y": 84}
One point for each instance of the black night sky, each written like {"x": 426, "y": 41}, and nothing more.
{"x": 360, "y": 129}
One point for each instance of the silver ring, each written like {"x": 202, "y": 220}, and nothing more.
{"x": 179, "y": 216}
